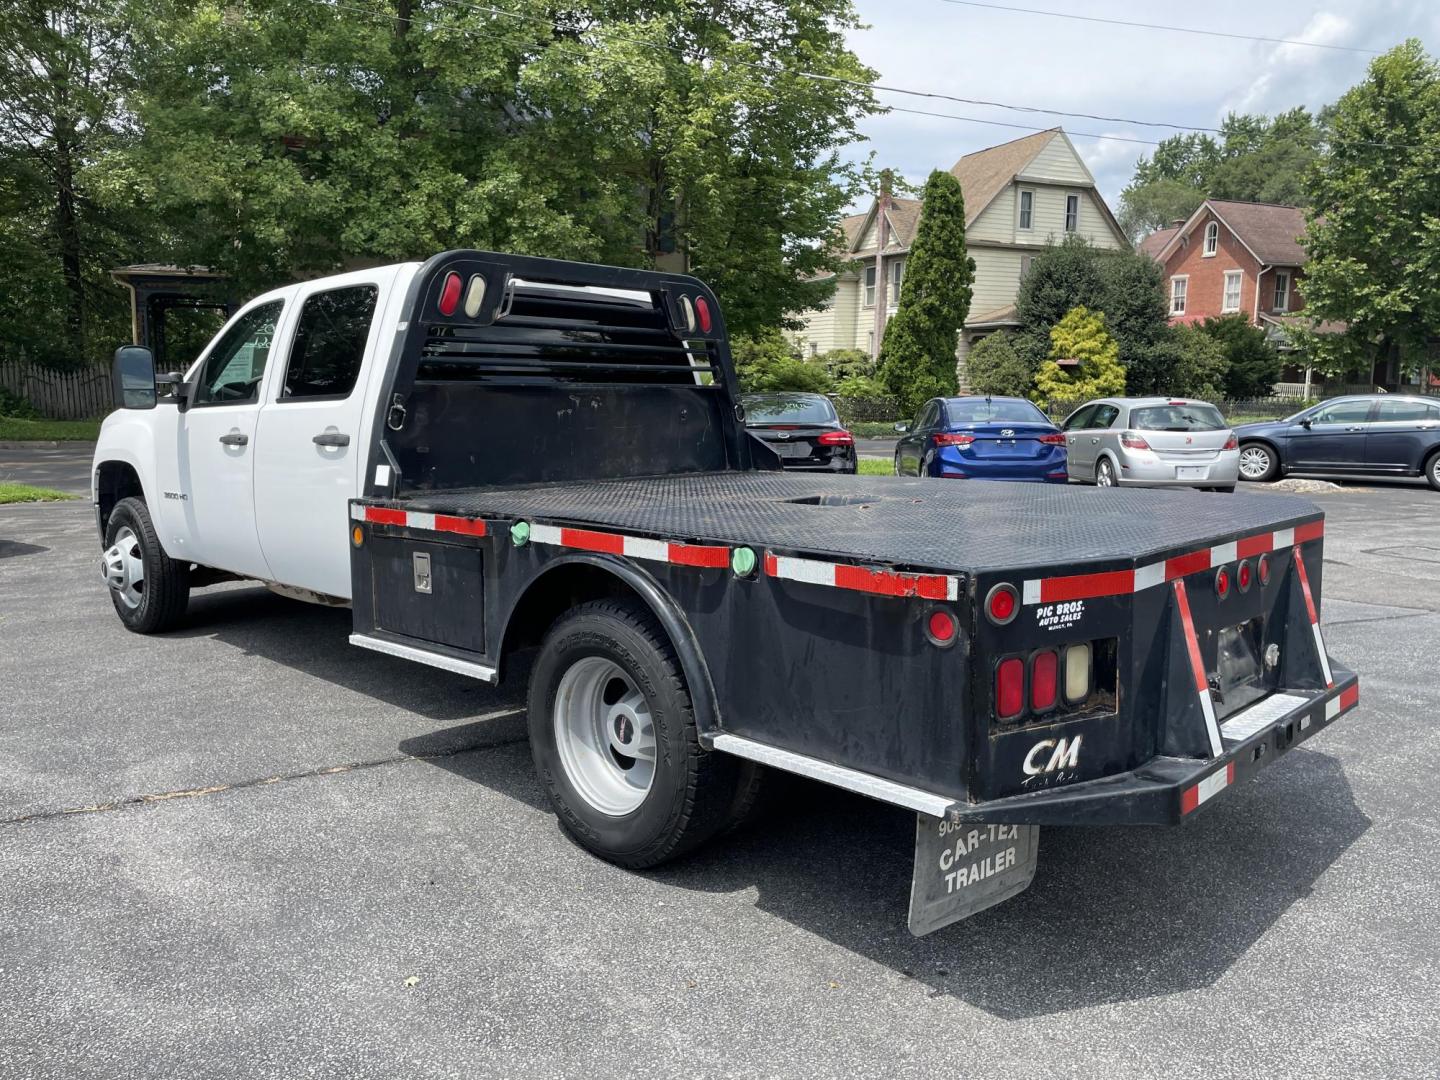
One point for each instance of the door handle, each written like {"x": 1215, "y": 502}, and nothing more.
{"x": 1095, "y": 441}
{"x": 331, "y": 438}
{"x": 234, "y": 438}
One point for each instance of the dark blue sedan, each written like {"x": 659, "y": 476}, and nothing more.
{"x": 1363, "y": 435}
{"x": 981, "y": 438}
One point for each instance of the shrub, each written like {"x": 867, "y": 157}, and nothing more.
{"x": 1253, "y": 364}
{"x": 1080, "y": 335}
{"x": 767, "y": 362}
{"x": 997, "y": 366}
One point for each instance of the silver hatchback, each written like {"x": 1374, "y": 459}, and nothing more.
{"x": 1151, "y": 442}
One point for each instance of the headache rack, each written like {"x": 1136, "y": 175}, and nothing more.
{"x": 508, "y": 367}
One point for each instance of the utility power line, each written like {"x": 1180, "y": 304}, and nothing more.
{"x": 1162, "y": 26}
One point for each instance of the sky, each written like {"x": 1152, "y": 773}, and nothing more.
{"x": 1131, "y": 73}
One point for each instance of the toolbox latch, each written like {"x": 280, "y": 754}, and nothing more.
{"x": 421, "y": 562}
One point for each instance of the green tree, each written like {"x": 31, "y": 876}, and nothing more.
{"x": 1196, "y": 364}
{"x": 997, "y": 366}
{"x": 1081, "y": 336}
{"x": 847, "y": 363}
{"x": 917, "y": 355}
{"x": 1254, "y": 159}
{"x": 1252, "y": 362}
{"x": 766, "y": 361}
{"x": 1064, "y": 276}
{"x": 287, "y": 137}
{"x": 1374, "y": 239}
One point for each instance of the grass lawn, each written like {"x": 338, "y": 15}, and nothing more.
{"x": 18, "y": 493}
{"x": 876, "y": 467}
{"x": 13, "y": 429}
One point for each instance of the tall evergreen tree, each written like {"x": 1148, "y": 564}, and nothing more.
{"x": 917, "y": 356}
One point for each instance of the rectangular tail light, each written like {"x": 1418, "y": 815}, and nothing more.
{"x": 1077, "y": 672}
{"x": 1010, "y": 688}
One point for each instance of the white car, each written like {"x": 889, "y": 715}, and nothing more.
{"x": 1151, "y": 442}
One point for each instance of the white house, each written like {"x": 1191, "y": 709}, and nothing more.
{"x": 1019, "y": 196}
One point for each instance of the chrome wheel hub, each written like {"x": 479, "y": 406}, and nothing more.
{"x": 123, "y": 568}
{"x": 605, "y": 735}
{"x": 1104, "y": 477}
{"x": 1254, "y": 462}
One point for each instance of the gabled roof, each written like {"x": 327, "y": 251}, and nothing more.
{"x": 1269, "y": 231}
{"x": 1155, "y": 243}
{"x": 986, "y": 173}
{"x": 904, "y": 215}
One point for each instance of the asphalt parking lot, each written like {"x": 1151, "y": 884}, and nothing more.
{"x": 248, "y": 849}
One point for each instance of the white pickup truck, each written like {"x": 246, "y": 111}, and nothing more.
{"x": 491, "y": 457}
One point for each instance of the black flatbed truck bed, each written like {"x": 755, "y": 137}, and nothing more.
{"x": 844, "y": 628}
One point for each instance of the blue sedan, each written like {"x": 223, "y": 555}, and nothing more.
{"x": 1362, "y": 435}
{"x": 981, "y": 438}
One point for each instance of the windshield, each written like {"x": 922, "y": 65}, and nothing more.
{"x": 1177, "y": 418}
{"x": 789, "y": 410}
{"x": 981, "y": 411}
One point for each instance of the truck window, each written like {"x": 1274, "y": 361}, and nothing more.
{"x": 329, "y": 343}
{"x": 234, "y": 368}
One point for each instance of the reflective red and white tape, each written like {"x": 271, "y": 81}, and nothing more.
{"x": 1314, "y": 621}
{"x": 1197, "y": 670}
{"x": 411, "y": 519}
{"x": 1207, "y": 789}
{"x": 862, "y": 578}
{"x": 634, "y": 547}
{"x": 1124, "y": 582}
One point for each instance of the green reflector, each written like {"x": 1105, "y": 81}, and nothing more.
{"x": 742, "y": 561}
{"x": 520, "y": 533}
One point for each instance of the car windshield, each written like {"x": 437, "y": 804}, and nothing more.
{"x": 1191, "y": 417}
{"x": 789, "y": 410}
{"x": 982, "y": 410}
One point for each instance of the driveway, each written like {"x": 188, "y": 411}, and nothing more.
{"x": 248, "y": 849}
{"x": 66, "y": 468}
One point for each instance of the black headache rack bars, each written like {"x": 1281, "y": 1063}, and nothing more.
{"x": 506, "y": 367}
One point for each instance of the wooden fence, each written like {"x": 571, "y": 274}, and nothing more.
{"x": 58, "y": 395}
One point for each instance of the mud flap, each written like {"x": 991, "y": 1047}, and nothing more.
{"x": 962, "y": 869}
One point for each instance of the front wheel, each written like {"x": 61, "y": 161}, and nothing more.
{"x": 149, "y": 589}
{"x": 1105, "y": 473}
{"x": 1432, "y": 470}
{"x": 613, "y": 735}
{"x": 1257, "y": 463}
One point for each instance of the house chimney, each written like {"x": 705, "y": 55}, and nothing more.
{"x": 1177, "y": 223}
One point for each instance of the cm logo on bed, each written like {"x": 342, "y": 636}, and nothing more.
{"x": 1052, "y": 755}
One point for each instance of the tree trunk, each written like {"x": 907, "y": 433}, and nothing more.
{"x": 67, "y": 230}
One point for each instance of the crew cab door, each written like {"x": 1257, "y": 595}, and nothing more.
{"x": 310, "y": 446}
{"x": 207, "y": 478}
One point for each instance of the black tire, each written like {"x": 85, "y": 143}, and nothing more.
{"x": 1103, "y": 467}
{"x": 1432, "y": 470}
{"x": 1269, "y": 451}
{"x": 897, "y": 466}
{"x": 693, "y": 794}
{"x": 166, "y": 585}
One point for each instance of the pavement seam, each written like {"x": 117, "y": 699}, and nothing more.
{"x": 147, "y": 798}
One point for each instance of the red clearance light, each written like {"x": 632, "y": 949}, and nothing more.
{"x": 450, "y": 294}
{"x": 1264, "y": 568}
{"x": 1244, "y": 576}
{"x": 1043, "y": 673}
{"x": 1222, "y": 583}
{"x": 1001, "y": 604}
{"x": 1133, "y": 441}
{"x": 836, "y": 438}
{"x": 1009, "y": 688}
{"x": 1179, "y": 403}
{"x": 1232, "y": 443}
{"x": 946, "y": 438}
{"x": 702, "y": 314}
{"x": 941, "y": 626}
{"x": 1057, "y": 439}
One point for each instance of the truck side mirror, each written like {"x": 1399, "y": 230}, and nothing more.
{"x": 132, "y": 378}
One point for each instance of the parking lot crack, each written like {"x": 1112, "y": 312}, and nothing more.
{"x": 146, "y": 798}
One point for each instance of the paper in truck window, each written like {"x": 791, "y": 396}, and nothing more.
{"x": 962, "y": 869}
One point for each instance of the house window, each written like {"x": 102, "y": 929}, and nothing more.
{"x": 1026, "y": 261}
{"x": 870, "y": 285}
{"x": 1179, "y": 286}
{"x": 1027, "y": 209}
{"x": 870, "y": 343}
{"x": 1282, "y": 290}
{"x": 1233, "y": 279}
{"x": 897, "y": 273}
{"x": 1072, "y": 212}
{"x": 814, "y": 349}
{"x": 1212, "y": 238}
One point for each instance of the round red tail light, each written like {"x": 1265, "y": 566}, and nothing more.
{"x": 450, "y": 294}
{"x": 1264, "y": 569}
{"x": 1244, "y": 576}
{"x": 1001, "y": 604}
{"x": 941, "y": 627}
{"x": 1222, "y": 583}
{"x": 702, "y": 314}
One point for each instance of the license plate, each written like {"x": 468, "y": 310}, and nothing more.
{"x": 963, "y": 869}
{"x": 1191, "y": 472}
{"x": 791, "y": 449}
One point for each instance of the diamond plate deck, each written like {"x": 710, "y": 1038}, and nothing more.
{"x": 966, "y": 526}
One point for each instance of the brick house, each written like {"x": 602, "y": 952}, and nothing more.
{"x": 1233, "y": 258}
{"x": 1019, "y": 197}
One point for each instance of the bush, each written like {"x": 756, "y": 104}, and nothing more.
{"x": 1253, "y": 364}
{"x": 767, "y": 362}
{"x": 15, "y": 406}
{"x": 860, "y": 386}
{"x": 1198, "y": 364}
{"x": 997, "y": 366}
{"x": 1080, "y": 335}
{"x": 842, "y": 364}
